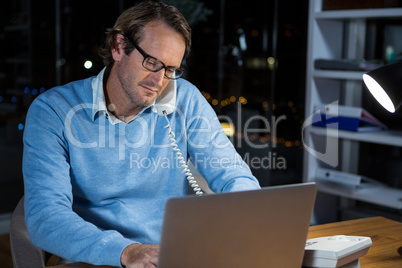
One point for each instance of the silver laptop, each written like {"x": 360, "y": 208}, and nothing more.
{"x": 260, "y": 228}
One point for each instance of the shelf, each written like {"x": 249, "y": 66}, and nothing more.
{"x": 350, "y": 75}
{"x": 374, "y": 194}
{"x": 386, "y": 137}
{"x": 375, "y": 13}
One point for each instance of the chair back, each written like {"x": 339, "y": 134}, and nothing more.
{"x": 24, "y": 253}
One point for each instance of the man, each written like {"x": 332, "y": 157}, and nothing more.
{"x": 98, "y": 162}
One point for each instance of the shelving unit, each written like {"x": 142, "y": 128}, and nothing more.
{"x": 342, "y": 34}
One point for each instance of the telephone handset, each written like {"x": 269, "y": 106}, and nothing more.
{"x": 165, "y": 105}
{"x": 166, "y": 102}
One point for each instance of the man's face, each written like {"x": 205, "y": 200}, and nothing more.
{"x": 138, "y": 85}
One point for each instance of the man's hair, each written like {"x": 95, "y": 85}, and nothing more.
{"x": 132, "y": 22}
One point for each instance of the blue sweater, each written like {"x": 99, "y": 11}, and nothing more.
{"x": 92, "y": 187}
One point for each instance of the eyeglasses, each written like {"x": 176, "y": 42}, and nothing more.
{"x": 154, "y": 65}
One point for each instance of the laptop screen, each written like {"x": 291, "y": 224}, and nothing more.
{"x": 259, "y": 228}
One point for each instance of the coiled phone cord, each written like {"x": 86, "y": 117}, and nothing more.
{"x": 193, "y": 183}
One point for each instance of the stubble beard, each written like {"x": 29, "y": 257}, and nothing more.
{"x": 132, "y": 90}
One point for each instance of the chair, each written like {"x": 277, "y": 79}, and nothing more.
{"x": 23, "y": 252}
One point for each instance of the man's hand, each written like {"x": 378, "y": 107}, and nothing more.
{"x": 140, "y": 256}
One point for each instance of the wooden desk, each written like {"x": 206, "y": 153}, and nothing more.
{"x": 385, "y": 234}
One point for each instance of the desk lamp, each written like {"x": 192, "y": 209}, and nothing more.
{"x": 385, "y": 84}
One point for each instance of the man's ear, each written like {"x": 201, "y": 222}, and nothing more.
{"x": 118, "y": 47}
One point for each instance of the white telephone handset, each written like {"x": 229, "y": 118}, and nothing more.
{"x": 164, "y": 105}
{"x": 166, "y": 102}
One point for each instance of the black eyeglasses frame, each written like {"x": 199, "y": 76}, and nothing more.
{"x": 164, "y": 66}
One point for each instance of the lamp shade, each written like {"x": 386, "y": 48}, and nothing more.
{"x": 385, "y": 84}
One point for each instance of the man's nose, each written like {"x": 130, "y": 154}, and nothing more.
{"x": 157, "y": 77}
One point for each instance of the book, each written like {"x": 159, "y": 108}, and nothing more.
{"x": 347, "y": 118}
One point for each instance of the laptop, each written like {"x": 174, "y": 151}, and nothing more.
{"x": 258, "y": 228}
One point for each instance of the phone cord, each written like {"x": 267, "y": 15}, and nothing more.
{"x": 193, "y": 183}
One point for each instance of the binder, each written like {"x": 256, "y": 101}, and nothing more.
{"x": 348, "y": 118}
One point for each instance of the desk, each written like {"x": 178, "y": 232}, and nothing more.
{"x": 385, "y": 234}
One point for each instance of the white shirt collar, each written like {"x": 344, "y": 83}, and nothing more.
{"x": 99, "y": 103}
